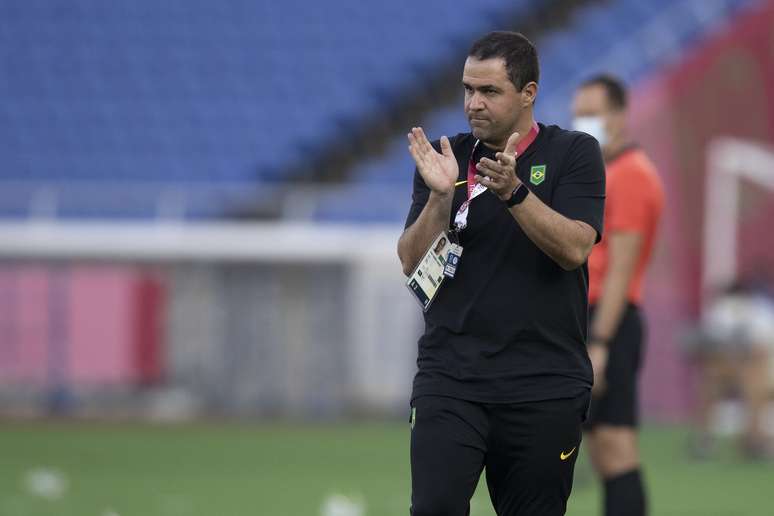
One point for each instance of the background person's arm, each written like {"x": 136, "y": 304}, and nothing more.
{"x": 439, "y": 172}
{"x": 623, "y": 251}
{"x": 628, "y": 219}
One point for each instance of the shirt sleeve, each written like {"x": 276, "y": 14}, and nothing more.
{"x": 421, "y": 191}
{"x": 629, "y": 201}
{"x": 419, "y": 198}
{"x": 580, "y": 193}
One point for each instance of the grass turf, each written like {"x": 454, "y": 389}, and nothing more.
{"x": 289, "y": 470}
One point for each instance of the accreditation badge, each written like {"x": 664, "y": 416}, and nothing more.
{"x": 452, "y": 260}
{"x": 426, "y": 279}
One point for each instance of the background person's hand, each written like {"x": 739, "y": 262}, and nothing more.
{"x": 500, "y": 176}
{"x": 598, "y": 353}
{"x": 439, "y": 170}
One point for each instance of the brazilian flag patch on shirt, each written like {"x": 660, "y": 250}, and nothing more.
{"x": 537, "y": 174}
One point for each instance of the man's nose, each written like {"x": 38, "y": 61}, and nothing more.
{"x": 475, "y": 103}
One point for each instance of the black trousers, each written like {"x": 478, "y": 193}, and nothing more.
{"x": 528, "y": 450}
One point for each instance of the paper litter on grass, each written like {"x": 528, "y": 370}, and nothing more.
{"x": 341, "y": 505}
{"x": 45, "y": 482}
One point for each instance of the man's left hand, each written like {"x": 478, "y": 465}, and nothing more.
{"x": 500, "y": 176}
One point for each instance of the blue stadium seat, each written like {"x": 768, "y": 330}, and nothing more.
{"x": 192, "y": 90}
{"x": 215, "y": 93}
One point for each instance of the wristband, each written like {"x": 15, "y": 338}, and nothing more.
{"x": 517, "y": 196}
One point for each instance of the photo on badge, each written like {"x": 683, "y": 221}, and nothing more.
{"x": 439, "y": 249}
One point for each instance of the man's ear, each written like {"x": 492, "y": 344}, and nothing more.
{"x": 528, "y": 94}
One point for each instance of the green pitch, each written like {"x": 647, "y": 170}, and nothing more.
{"x": 291, "y": 470}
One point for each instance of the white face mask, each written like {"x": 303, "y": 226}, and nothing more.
{"x": 592, "y": 125}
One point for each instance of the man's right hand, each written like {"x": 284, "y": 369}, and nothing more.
{"x": 439, "y": 171}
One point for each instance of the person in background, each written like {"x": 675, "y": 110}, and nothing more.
{"x": 616, "y": 269}
{"x": 733, "y": 348}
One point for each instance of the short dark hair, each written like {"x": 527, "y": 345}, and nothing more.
{"x": 521, "y": 59}
{"x": 615, "y": 89}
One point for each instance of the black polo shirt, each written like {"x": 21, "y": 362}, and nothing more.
{"x": 511, "y": 326}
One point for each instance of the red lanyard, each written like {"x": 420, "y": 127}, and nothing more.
{"x": 520, "y": 148}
